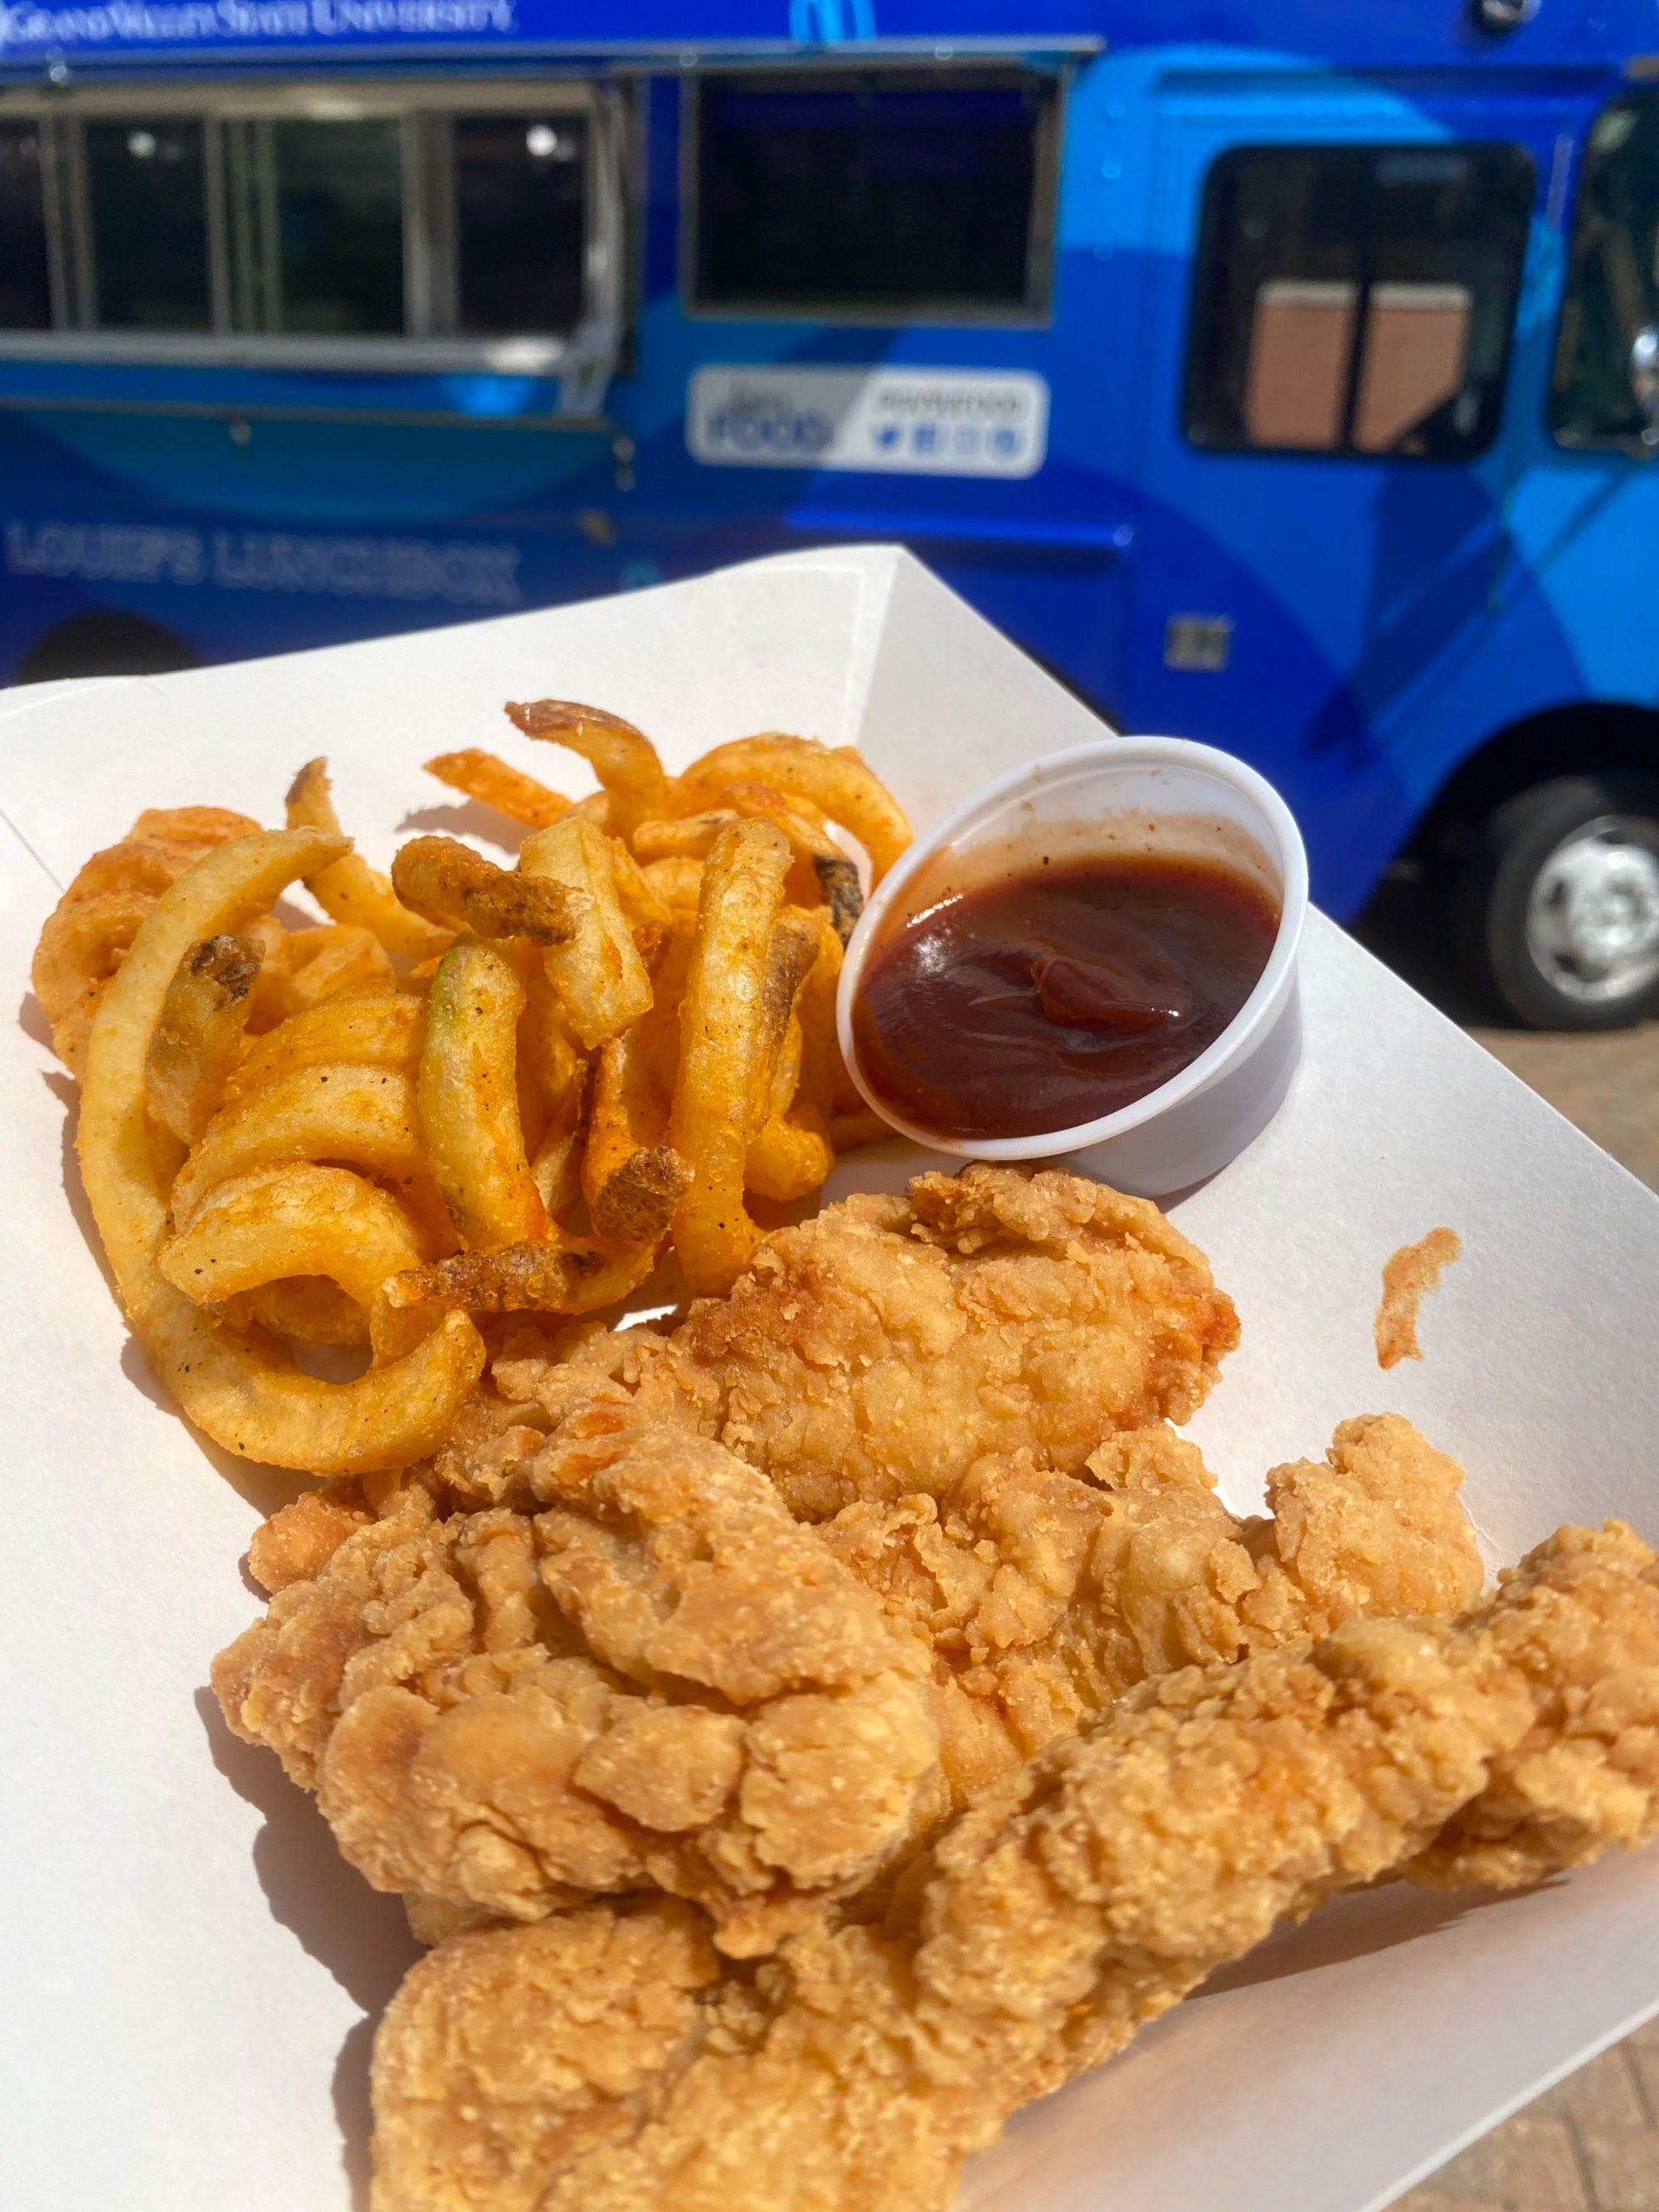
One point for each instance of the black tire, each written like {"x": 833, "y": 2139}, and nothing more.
{"x": 1498, "y": 928}
{"x": 105, "y": 641}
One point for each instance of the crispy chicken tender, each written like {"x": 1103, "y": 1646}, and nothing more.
{"x": 1095, "y": 1888}
{"x": 1586, "y": 1774}
{"x": 653, "y": 1677}
{"x": 880, "y": 1349}
{"x": 1041, "y": 1597}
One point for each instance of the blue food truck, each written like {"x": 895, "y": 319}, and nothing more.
{"x": 1281, "y": 373}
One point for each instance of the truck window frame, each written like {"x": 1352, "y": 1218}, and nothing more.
{"x": 586, "y": 355}
{"x": 1037, "y": 312}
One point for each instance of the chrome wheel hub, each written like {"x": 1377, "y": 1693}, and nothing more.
{"x": 1593, "y": 917}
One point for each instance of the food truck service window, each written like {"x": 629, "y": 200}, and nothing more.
{"x": 269, "y": 225}
{"x": 874, "y": 198}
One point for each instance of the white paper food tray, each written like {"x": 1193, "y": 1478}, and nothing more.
{"x": 191, "y": 1973}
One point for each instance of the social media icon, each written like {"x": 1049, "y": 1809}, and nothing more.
{"x": 925, "y": 437}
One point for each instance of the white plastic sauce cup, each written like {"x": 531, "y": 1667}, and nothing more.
{"x": 1121, "y": 796}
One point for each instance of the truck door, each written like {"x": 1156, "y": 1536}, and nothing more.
{"x": 1323, "y": 469}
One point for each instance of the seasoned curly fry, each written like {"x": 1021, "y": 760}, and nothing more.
{"x": 634, "y": 1027}
{"x": 623, "y": 759}
{"x": 308, "y": 967}
{"x": 639, "y": 1199}
{"x": 363, "y": 1115}
{"x": 247, "y": 1400}
{"x": 683, "y": 837}
{"x": 679, "y": 884}
{"x": 638, "y": 896}
{"x": 790, "y": 1155}
{"x": 601, "y": 981}
{"x": 83, "y": 941}
{"x": 821, "y": 869}
{"x": 468, "y": 1098}
{"x": 553, "y": 1080}
{"x": 348, "y": 889}
{"x": 849, "y": 1130}
{"x": 627, "y": 1110}
{"x": 631, "y": 1179}
{"x": 731, "y": 1014}
{"x": 275, "y": 1223}
{"x": 307, "y": 1309}
{"x": 203, "y": 1018}
{"x": 450, "y": 883}
{"x": 484, "y": 777}
{"x": 838, "y": 782}
{"x": 383, "y": 1029}
{"x": 86, "y": 936}
{"x": 824, "y": 1083}
{"x": 791, "y": 950}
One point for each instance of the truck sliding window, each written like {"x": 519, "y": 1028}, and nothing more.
{"x": 1612, "y": 290}
{"x": 1355, "y": 300}
{"x": 316, "y": 227}
{"x": 146, "y": 187}
{"x": 224, "y": 225}
{"x": 885, "y": 199}
{"x": 25, "y": 279}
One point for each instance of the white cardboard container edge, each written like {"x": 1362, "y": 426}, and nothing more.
{"x": 193, "y": 1974}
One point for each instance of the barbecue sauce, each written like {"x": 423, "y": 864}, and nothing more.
{"x": 1048, "y": 998}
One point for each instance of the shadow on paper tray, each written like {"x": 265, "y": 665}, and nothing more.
{"x": 467, "y": 819}
{"x": 359, "y": 1935}
{"x": 1358, "y": 1927}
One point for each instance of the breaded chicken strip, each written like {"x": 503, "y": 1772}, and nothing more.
{"x": 605, "y": 2061}
{"x": 1043, "y": 1597}
{"x": 465, "y": 1689}
{"x": 881, "y": 1348}
{"x": 657, "y": 1679}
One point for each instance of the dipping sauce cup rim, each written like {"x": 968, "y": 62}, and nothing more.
{"x": 984, "y": 812}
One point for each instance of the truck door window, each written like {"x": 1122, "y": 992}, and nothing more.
{"x": 888, "y": 198}
{"x": 147, "y": 219}
{"x": 25, "y": 281}
{"x": 521, "y": 222}
{"x": 1355, "y": 300}
{"x": 1613, "y": 288}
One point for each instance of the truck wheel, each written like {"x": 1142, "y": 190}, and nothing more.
{"x": 1557, "y": 906}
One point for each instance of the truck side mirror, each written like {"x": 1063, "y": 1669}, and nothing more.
{"x": 1645, "y": 379}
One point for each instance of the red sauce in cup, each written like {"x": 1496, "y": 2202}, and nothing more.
{"x": 1045, "y": 999}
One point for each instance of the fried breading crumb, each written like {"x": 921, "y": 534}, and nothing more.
{"x": 1407, "y": 1278}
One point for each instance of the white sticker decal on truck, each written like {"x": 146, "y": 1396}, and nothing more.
{"x": 912, "y": 421}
